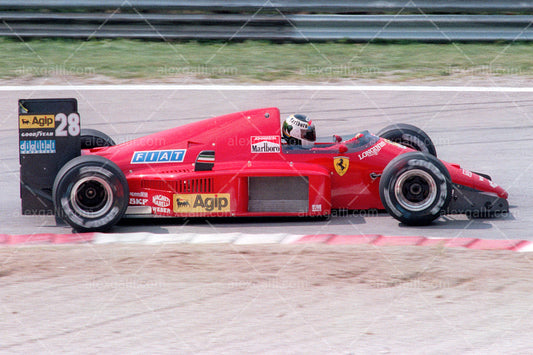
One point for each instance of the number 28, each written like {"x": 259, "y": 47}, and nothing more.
{"x": 68, "y": 125}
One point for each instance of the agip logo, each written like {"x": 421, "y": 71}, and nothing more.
{"x": 201, "y": 203}
{"x": 37, "y": 121}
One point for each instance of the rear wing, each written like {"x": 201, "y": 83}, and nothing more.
{"x": 49, "y": 136}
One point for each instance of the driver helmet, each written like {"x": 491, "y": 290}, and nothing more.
{"x": 299, "y": 130}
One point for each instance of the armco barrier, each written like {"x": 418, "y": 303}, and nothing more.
{"x": 318, "y": 6}
{"x": 292, "y": 20}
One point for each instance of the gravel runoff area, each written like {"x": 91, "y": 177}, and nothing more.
{"x": 300, "y": 299}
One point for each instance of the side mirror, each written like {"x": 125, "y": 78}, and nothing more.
{"x": 343, "y": 149}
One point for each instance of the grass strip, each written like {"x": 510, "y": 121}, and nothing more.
{"x": 257, "y": 61}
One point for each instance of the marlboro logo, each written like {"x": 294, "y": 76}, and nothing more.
{"x": 266, "y": 144}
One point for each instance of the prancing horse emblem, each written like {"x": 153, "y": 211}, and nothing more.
{"x": 341, "y": 165}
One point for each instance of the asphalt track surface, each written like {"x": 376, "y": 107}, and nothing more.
{"x": 490, "y": 132}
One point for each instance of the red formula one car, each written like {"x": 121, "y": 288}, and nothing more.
{"x": 238, "y": 165}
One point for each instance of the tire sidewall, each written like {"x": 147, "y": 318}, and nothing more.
{"x": 410, "y": 136}
{"x": 401, "y": 165}
{"x": 79, "y": 169}
{"x": 92, "y": 138}
{"x": 413, "y": 141}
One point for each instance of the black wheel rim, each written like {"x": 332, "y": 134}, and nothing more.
{"x": 91, "y": 197}
{"x": 415, "y": 190}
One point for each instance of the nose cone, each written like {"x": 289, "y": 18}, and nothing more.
{"x": 485, "y": 184}
{"x": 468, "y": 178}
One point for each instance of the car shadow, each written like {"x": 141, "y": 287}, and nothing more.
{"x": 219, "y": 222}
{"x": 159, "y": 225}
{"x": 461, "y": 222}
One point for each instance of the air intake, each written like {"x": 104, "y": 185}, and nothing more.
{"x": 278, "y": 194}
{"x": 204, "y": 185}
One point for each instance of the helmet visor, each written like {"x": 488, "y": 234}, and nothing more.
{"x": 309, "y": 134}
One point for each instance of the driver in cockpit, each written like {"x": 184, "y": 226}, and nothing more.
{"x": 299, "y": 130}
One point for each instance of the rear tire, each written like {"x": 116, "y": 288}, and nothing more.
{"x": 415, "y": 188}
{"x": 92, "y": 138}
{"x": 90, "y": 193}
{"x": 409, "y": 136}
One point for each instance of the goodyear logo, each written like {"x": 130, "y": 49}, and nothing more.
{"x": 37, "y": 121}
{"x": 198, "y": 203}
{"x": 158, "y": 156}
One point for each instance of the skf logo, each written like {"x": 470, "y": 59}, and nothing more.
{"x": 201, "y": 203}
{"x": 341, "y": 165}
{"x": 37, "y": 121}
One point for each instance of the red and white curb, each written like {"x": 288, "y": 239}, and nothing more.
{"x": 243, "y": 239}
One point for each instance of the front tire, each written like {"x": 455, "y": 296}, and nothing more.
{"x": 409, "y": 136}
{"x": 415, "y": 188}
{"x": 90, "y": 193}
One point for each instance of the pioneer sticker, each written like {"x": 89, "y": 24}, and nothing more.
{"x": 186, "y": 203}
{"x": 158, "y": 156}
{"x": 38, "y": 147}
{"x": 266, "y": 144}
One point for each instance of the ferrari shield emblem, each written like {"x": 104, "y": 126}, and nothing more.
{"x": 341, "y": 165}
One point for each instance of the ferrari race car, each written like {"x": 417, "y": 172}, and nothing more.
{"x": 238, "y": 165}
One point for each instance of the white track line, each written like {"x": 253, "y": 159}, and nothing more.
{"x": 170, "y": 87}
